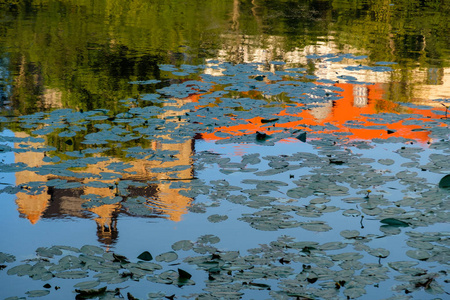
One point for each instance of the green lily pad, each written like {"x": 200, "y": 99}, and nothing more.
{"x": 351, "y": 213}
{"x": 394, "y": 222}
{"x": 217, "y": 218}
{"x": 72, "y": 274}
{"x": 183, "y": 274}
{"x": 20, "y": 270}
{"x": 91, "y": 292}
{"x": 37, "y": 293}
{"x": 145, "y": 256}
{"x": 333, "y": 246}
{"x": 399, "y": 265}
{"x": 318, "y": 226}
{"x": 379, "y": 252}
{"x": 444, "y": 183}
{"x": 354, "y": 292}
{"x": 87, "y": 284}
{"x": 418, "y": 254}
{"x": 4, "y": 257}
{"x": 48, "y": 252}
{"x": 185, "y": 245}
{"x": 167, "y": 257}
{"x": 209, "y": 238}
{"x": 349, "y": 234}
{"x": 91, "y": 250}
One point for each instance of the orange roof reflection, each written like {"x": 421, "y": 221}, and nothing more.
{"x": 359, "y": 103}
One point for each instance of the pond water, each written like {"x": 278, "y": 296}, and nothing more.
{"x": 224, "y": 149}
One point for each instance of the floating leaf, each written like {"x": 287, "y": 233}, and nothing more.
{"x": 145, "y": 256}
{"x": 318, "y": 226}
{"x": 354, "y": 292}
{"x": 183, "y": 245}
{"x": 20, "y": 270}
{"x": 269, "y": 120}
{"x": 399, "y": 265}
{"x": 444, "y": 183}
{"x": 148, "y": 266}
{"x": 379, "y": 252}
{"x": 91, "y": 292}
{"x": 37, "y": 293}
{"x": 394, "y": 222}
{"x": 418, "y": 254}
{"x": 91, "y": 250}
{"x": 209, "y": 238}
{"x": 386, "y": 161}
{"x": 167, "y": 257}
{"x": 347, "y": 256}
{"x": 333, "y": 246}
{"x": 120, "y": 258}
{"x": 348, "y": 234}
{"x": 48, "y": 252}
{"x": 261, "y": 286}
{"x": 261, "y": 136}
{"x": 302, "y": 137}
{"x": 217, "y": 218}
{"x": 183, "y": 274}
{"x": 4, "y": 257}
{"x": 71, "y": 274}
{"x": 87, "y": 284}
{"x": 351, "y": 213}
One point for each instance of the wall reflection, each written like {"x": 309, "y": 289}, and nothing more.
{"x": 85, "y": 58}
{"x": 161, "y": 201}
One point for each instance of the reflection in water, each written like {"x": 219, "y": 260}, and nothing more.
{"x": 86, "y": 56}
{"x": 355, "y": 112}
{"x": 138, "y": 180}
{"x": 128, "y": 149}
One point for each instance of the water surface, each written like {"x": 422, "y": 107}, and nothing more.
{"x": 267, "y": 149}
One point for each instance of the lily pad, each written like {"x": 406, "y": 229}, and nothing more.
{"x": 72, "y": 274}
{"x": 354, "y": 292}
{"x": 4, "y": 257}
{"x": 183, "y": 274}
{"x": 394, "y": 222}
{"x": 91, "y": 292}
{"x": 217, "y": 218}
{"x": 351, "y": 213}
{"x": 444, "y": 183}
{"x": 37, "y": 293}
{"x": 349, "y": 234}
{"x": 145, "y": 256}
{"x": 209, "y": 238}
{"x": 167, "y": 257}
{"x": 318, "y": 226}
{"x": 87, "y": 284}
{"x": 418, "y": 254}
{"x": 379, "y": 252}
{"x": 185, "y": 245}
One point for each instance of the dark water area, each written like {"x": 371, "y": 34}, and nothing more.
{"x": 224, "y": 149}
{"x": 87, "y": 53}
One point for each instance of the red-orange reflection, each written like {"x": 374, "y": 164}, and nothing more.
{"x": 359, "y": 103}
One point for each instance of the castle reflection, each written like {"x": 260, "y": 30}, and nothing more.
{"x": 359, "y": 104}
{"x": 161, "y": 201}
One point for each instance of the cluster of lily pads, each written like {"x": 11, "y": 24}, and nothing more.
{"x": 285, "y": 268}
{"x": 304, "y": 190}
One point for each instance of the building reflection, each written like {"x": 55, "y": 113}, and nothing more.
{"x": 353, "y": 114}
{"x": 360, "y": 100}
{"x": 161, "y": 200}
